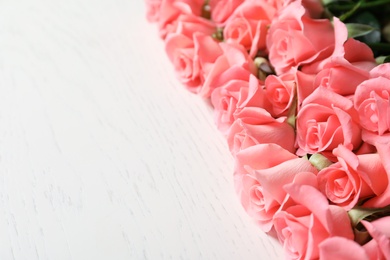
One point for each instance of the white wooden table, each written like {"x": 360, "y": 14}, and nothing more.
{"x": 103, "y": 154}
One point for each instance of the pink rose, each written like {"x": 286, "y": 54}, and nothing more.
{"x": 381, "y": 70}
{"x": 182, "y": 51}
{"x": 166, "y": 12}
{"x": 372, "y": 101}
{"x": 203, "y": 64}
{"x": 341, "y": 76}
{"x": 254, "y": 125}
{"x": 188, "y": 25}
{"x": 343, "y": 249}
{"x": 280, "y": 92}
{"x": 295, "y": 39}
{"x": 382, "y": 144}
{"x": 352, "y": 178}
{"x": 261, "y": 172}
{"x": 326, "y": 120}
{"x": 233, "y": 55}
{"x": 278, "y": 4}
{"x": 153, "y": 10}
{"x": 302, "y": 228}
{"x": 377, "y": 248}
{"x": 221, "y": 10}
{"x": 349, "y": 49}
{"x": 305, "y": 85}
{"x": 248, "y": 25}
{"x": 241, "y": 89}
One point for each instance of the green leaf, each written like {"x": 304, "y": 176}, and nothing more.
{"x": 357, "y": 29}
{"x": 368, "y": 19}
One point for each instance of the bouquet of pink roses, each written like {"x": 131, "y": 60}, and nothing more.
{"x": 301, "y": 90}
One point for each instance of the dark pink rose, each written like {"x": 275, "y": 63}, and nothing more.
{"x": 248, "y": 25}
{"x": 221, "y": 10}
{"x": 295, "y": 39}
{"x": 377, "y": 248}
{"x": 353, "y": 178}
{"x": 372, "y": 101}
{"x": 261, "y": 172}
{"x": 254, "y": 125}
{"x": 240, "y": 89}
{"x": 326, "y": 120}
{"x": 301, "y": 228}
{"x": 315, "y": 8}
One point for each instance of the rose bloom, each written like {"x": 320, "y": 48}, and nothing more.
{"x": 153, "y": 10}
{"x": 324, "y": 121}
{"x": 313, "y": 7}
{"x": 357, "y": 53}
{"x": 280, "y": 91}
{"x": 341, "y": 76}
{"x": 240, "y": 89}
{"x": 183, "y": 52}
{"x": 381, "y": 70}
{"x": 188, "y": 25}
{"x": 248, "y": 25}
{"x": 377, "y": 248}
{"x": 305, "y": 85}
{"x": 372, "y": 101}
{"x": 352, "y": 178}
{"x": 203, "y": 64}
{"x": 302, "y": 227}
{"x": 382, "y": 144}
{"x": 295, "y": 39}
{"x": 215, "y": 73}
{"x": 254, "y": 125}
{"x": 221, "y": 10}
{"x": 166, "y": 12}
{"x": 261, "y": 171}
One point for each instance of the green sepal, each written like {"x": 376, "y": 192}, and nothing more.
{"x": 382, "y": 59}
{"x": 319, "y": 161}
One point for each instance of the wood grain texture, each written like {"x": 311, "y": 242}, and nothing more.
{"x": 103, "y": 154}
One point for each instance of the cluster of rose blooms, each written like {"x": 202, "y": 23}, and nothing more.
{"x": 306, "y": 114}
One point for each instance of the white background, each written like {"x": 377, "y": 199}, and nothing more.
{"x": 103, "y": 154}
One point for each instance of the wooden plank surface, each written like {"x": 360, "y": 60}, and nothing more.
{"x": 103, "y": 154}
